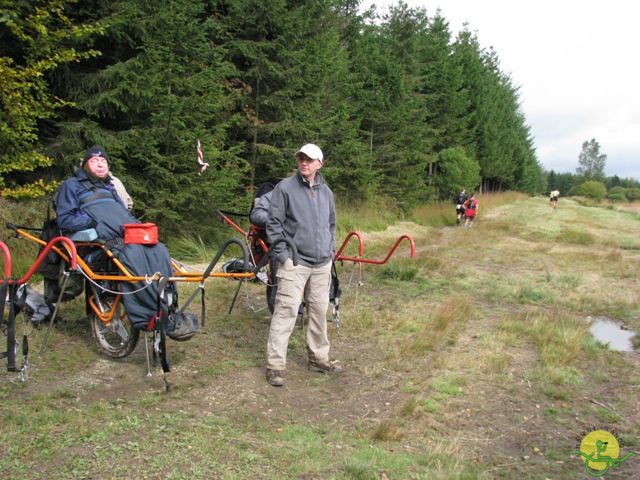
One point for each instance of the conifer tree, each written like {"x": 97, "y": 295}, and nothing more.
{"x": 386, "y": 61}
{"x": 159, "y": 88}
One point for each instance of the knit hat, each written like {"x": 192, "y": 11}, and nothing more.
{"x": 312, "y": 151}
{"x": 95, "y": 151}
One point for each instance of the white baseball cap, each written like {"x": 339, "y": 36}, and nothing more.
{"x": 312, "y": 151}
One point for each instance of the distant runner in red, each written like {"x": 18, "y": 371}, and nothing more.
{"x": 470, "y": 209}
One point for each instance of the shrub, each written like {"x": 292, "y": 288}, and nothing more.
{"x": 617, "y": 194}
{"x": 617, "y": 197}
{"x": 632, "y": 194}
{"x": 592, "y": 189}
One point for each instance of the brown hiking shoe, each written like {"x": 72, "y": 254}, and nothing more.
{"x": 275, "y": 377}
{"x": 323, "y": 367}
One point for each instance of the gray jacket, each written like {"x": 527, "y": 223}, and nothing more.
{"x": 306, "y": 216}
{"x": 260, "y": 214}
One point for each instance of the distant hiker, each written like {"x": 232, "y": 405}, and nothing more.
{"x": 302, "y": 210}
{"x": 459, "y": 201}
{"x": 470, "y": 210}
{"x": 553, "y": 198}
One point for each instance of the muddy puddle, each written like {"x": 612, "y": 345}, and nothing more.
{"x": 612, "y": 333}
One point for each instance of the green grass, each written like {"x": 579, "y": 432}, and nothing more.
{"x": 449, "y": 385}
{"x": 577, "y": 237}
{"x": 458, "y": 364}
{"x": 395, "y": 271}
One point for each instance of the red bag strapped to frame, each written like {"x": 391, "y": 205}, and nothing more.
{"x": 140, "y": 233}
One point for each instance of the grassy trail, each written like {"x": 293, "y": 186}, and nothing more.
{"x": 472, "y": 361}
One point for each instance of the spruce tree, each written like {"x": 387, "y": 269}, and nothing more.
{"x": 160, "y": 86}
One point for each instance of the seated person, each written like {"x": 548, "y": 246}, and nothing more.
{"x": 88, "y": 207}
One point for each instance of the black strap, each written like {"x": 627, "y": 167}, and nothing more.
{"x": 21, "y": 298}
{"x": 11, "y": 330}
{"x": 203, "y": 306}
{"x": 162, "y": 317}
{"x": 3, "y": 298}
{"x": 335, "y": 287}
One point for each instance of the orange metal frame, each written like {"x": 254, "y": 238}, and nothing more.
{"x": 338, "y": 256}
{"x": 123, "y": 275}
{"x": 181, "y": 275}
{"x": 13, "y": 283}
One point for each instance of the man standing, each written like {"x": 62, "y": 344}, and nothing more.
{"x": 302, "y": 210}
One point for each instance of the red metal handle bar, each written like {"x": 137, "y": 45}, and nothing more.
{"x": 231, "y": 223}
{"x": 70, "y": 246}
{"x": 7, "y": 259}
{"x": 358, "y": 235}
{"x": 380, "y": 262}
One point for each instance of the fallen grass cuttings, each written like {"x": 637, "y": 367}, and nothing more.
{"x": 625, "y": 270}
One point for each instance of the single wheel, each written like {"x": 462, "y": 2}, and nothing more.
{"x": 118, "y": 338}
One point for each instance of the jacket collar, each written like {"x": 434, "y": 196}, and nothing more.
{"x": 82, "y": 174}
{"x": 304, "y": 181}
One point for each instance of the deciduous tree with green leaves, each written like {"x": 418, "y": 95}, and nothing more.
{"x": 457, "y": 171}
{"x": 36, "y": 37}
{"x": 591, "y": 162}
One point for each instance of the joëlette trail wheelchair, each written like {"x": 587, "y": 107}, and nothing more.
{"x": 256, "y": 240}
{"x": 101, "y": 276}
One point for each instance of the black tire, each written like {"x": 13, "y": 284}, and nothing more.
{"x": 119, "y": 338}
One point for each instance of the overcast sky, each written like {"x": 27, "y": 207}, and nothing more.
{"x": 577, "y": 66}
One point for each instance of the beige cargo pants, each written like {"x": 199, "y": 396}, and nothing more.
{"x": 293, "y": 282}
